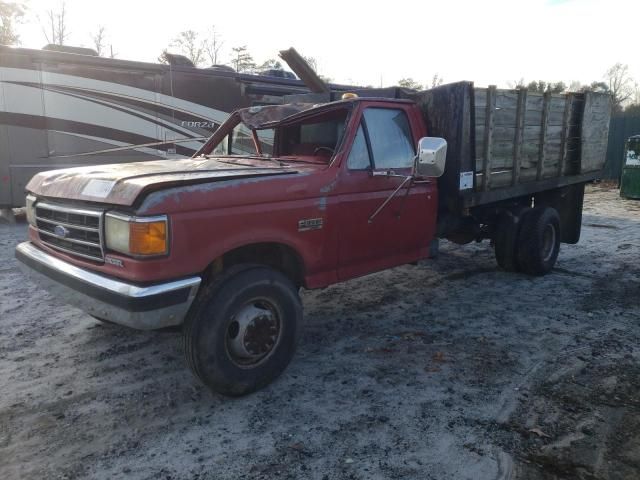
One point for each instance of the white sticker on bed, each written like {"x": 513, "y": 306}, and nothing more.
{"x": 98, "y": 188}
{"x": 466, "y": 180}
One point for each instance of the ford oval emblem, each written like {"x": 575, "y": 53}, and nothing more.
{"x": 61, "y": 231}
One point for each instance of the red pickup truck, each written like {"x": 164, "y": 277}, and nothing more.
{"x": 305, "y": 195}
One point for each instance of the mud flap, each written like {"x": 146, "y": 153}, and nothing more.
{"x": 568, "y": 202}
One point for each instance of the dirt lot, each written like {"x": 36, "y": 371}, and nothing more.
{"x": 450, "y": 369}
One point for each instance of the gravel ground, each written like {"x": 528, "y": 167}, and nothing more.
{"x": 450, "y": 369}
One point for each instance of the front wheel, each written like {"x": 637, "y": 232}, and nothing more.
{"x": 242, "y": 334}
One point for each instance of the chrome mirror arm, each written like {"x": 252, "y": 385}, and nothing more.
{"x": 393, "y": 194}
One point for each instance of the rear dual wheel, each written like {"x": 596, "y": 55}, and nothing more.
{"x": 528, "y": 241}
{"x": 539, "y": 241}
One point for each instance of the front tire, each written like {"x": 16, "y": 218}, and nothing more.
{"x": 243, "y": 332}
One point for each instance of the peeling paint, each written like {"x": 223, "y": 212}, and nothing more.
{"x": 131, "y": 180}
{"x": 329, "y": 187}
{"x": 176, "y": 192}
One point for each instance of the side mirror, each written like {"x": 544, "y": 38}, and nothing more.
{"x": 431, "y": 158}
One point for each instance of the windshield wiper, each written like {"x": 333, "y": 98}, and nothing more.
{"x": 220, "y": 158}
{"x": 267, "y": 157}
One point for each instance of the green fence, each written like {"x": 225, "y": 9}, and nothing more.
{"x": 621, "y": 127}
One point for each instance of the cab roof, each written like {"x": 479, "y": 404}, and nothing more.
{"x": 267, "y": 116}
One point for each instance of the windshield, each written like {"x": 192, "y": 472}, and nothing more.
{"x": 316, "y": 137}
{"x": 240, "y": 142}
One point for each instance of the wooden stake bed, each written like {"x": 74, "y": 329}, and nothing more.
{"x": 514, "y": 142}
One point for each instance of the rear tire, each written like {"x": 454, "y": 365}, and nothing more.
{"x": 539, "y": 241}
{"x": 242, "y": 334}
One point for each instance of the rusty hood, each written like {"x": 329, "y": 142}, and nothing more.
{"x": 123, "y": 183}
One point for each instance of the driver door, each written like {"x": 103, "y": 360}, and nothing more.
{"x": 400, "y": 231}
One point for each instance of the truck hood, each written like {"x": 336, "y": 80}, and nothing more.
{"x": 122, "y": 183}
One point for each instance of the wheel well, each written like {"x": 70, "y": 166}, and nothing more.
{"x": 275, "y": 255}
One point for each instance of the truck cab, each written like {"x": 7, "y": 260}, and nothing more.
{"x": 304, "y": 195}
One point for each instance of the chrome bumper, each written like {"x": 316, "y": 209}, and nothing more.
{"x": 142, "y": 307}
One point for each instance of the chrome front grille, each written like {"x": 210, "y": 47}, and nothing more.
{"x": 77, "y": 231}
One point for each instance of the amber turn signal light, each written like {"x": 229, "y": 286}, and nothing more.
{"x": 148, "y": 238}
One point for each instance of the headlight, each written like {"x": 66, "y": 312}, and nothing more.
{"x": 137, "y": 235}
{"x": 31, "y": 210}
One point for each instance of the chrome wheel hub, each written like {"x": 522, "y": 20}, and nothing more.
{"x": 253, "y": 333}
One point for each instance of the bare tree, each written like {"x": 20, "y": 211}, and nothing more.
{"x": 242, "y": 60}
{"x": 98, "y": 40}
{"x": 620, "y": 85}
{"x": 436, "y": 81}
{"x": 212, "y": 45}
{"x": 517, "y": 84}
{"x": 574, "y": 86}
{"x": 409, "y": 83}
{"x": 313, "y": 63}
{"x": 162, "y": 58}
{"x": 10, "y": 14}
{"x": 55, "y": 29}
{"x": 190, "y": 45}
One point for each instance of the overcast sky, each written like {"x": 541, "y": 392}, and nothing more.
{"x": 372, "y": 43}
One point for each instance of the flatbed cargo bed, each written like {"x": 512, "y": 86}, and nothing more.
{"x": 509, "y": 143}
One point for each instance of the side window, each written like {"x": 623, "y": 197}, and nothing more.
{"x": 390, "y": 136}
{"x": 359, "y": 154}
{"x": 222, "y": 148}
{"x": 265, "y": 137}
{"x": 242, "y": 141}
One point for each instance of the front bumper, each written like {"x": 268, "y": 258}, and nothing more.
{"x": 142, "y": 307}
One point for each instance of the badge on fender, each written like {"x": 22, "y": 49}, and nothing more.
{"x": 310, "y": 224}
{"x": 113, "y": 261}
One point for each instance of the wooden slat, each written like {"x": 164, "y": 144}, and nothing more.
{"x": 543, "y": 134}
{"x": 506, "y": 117}
{"x": 488, "y": 140}
{"x": 530, "y": 134}
{"x": 595, "y": 130}
{"x": 565, "y": 134}
{"x": 517, "y": 138}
